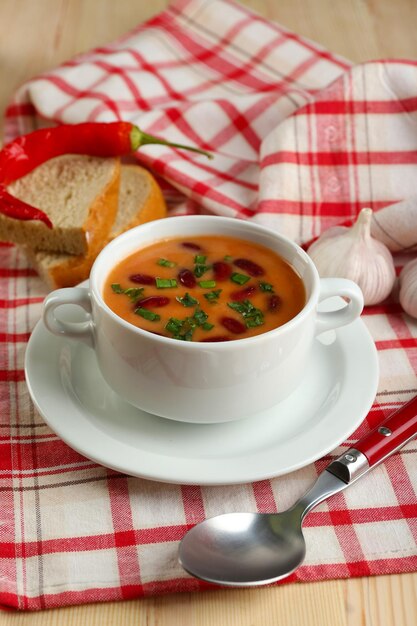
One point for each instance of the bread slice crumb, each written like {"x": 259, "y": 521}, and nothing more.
{"x": 78, "y": 193}
{"x": 140, "y": 201}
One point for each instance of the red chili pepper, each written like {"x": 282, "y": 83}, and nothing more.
{"x": 27, "y": 152}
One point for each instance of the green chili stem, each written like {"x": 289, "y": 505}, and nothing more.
{"x": 139, "y": 138}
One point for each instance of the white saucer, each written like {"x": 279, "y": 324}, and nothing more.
{"x": 70, "y": 393}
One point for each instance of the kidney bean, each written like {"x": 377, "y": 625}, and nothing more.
{"x": 142, "y": 279}
{"x": 274, "y": 302}
{"x": 252, "y": 268}
{"x": 233, "y": 325}
{"x": 191, "y": 245}
{"x": 221, "y": 270}
{"x": 242, "y": 294}
{"x": 152, "y": 302}
{"x": 187, "y": 278}
{"x": 216, "y": 338}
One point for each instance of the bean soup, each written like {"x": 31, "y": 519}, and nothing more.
{"x": 208, "y": 288}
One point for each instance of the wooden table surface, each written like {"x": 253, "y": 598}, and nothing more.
{"x": 39, "y": 34}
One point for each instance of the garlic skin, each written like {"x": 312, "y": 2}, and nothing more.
{"x": 408, "y": 288}
{"x": 352, "y": 253}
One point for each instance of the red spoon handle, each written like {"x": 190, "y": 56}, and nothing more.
{"x": 391, "y": 435}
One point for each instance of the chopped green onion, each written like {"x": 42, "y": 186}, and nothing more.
{"x": 184, "y": 329}
{"x": 187, "y": 332}
{"x": 256, "y": 320}
{"x": 131, "y": 292}
{"x": 213, "y": 296}
{"x": 207, "y": 284}
{"x": 148, "y": 315}
{"x": 240, "y": 279}
{"x": 252, "y": 316}
{"x": 241, "y": 307}
{"x": 266, "y": 287}
{"x": 165, "y": 283}
{"x": 181, "y": 329}
{"x": 166, "y": 263}
{"x": 228, "y": 258}
{"x": 200, "y": 317}
{"x": 200, "y": 259}
{"x": 187, "y": 300}
{"x": 199, "y": 270}
{"x": 173, "y": 325}
{"x": 134, "y": 292}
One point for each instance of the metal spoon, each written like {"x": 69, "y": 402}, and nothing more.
{"x": 246, "y": 549}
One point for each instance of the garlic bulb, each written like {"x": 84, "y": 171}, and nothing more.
{"x": 352, "y": 253}
{"x": 408, "y": 288}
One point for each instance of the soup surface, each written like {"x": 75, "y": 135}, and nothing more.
{"x": 205, "y": 288}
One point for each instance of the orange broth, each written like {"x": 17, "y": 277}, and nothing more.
{"x": 259, "y": 290}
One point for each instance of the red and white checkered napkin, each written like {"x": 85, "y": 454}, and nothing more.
{"x": 302, "y": 141}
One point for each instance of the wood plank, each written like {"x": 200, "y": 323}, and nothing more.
{"x": 292, "y": 605}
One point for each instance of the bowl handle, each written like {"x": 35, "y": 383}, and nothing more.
{"x": 344, "y": 288}
{"x": 83, "y": 331}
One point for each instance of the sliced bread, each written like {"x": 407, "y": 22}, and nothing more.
{"x": 79, "y": 195}
{"x": 140, "y": 201}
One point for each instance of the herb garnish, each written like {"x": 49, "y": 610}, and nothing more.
{"x": 251, "y": 315}
{"x": 147, "y": 314}
{"x": 200, "y": 269}
{"x": 132, "y": 292}
{"x": 184, "y": 329}
{"x": 213, "y": 296}
{"x": 228, "y": 258}
{"x": 266, "y": 287}
{"x": 165, "y": 283}
{"x": 200, "y": 259}
{"x": 240, "y": 279}
{"x": 200, "y": 317}
{"x": 181, "y": 329}
{"x": 187, "y": 300}
{"x": 166, "y": 263}
{"x": 207, "y": 284}
{"x": 174, "y": 325}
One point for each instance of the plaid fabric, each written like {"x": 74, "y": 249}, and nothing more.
{"x": 302, "y": 141}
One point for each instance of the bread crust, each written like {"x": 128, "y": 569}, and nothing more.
{"x": 72, "y": 239}
{"x": 154, "y": 207}
{"x": 63, "y": 270}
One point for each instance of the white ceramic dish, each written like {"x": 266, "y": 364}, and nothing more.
{"x": 335, "y": 396}
{"x": 191, "y": 381}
